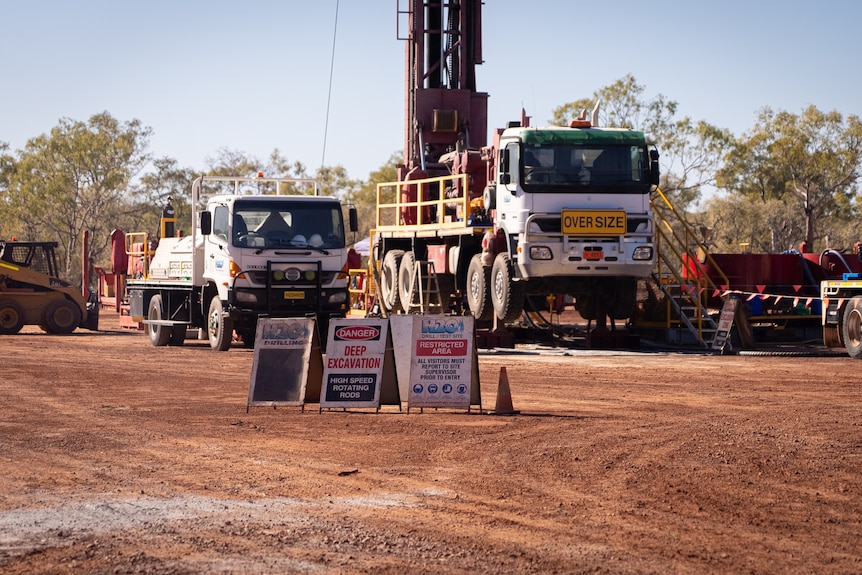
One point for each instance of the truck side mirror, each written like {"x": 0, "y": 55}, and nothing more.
{"x": 354, "y": 219}
{"x": 206, "y": 223}
{"x": 654, "y": 172}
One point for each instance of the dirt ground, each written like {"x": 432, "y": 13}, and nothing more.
{"x": 118, "y": 457}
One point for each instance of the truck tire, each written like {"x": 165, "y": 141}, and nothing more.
{"x": 219, "y": 327}
{"x": 507, "y": 295}
{"x": 62, "y": 317}
{"x": 623, "y": 302}
{"x": 247, "y": 336}
{"x": 852, "y": 328}
{"x": 587, "y": 306}
{"x": 405, "y": 281}
{"x": 160, "y": 335}
{"x": 478, "y": 289}
{"x": 11, "y": 317}
{"x": 389, "y": 296}
{"x": 178, "y": 335}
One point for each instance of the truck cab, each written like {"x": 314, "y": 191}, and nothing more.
{"x": 259, "y": 250}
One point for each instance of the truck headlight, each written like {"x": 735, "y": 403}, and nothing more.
{"x": 245, "y": 297}
{"x": 642, "y": 253}
{"x": 540, "y": 253}
{"x": 338, "y": 297}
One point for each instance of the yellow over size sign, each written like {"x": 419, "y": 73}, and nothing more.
{"x": 594, "y": 222}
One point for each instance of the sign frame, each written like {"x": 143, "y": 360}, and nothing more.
{"x": 287, "y": 368}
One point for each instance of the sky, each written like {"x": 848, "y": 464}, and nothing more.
{"x": 258, "y": 75}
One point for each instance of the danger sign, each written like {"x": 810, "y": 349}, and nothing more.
{"x": 359, "y": 364}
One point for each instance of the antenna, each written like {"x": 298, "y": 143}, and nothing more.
{"x": 329, "y": 93}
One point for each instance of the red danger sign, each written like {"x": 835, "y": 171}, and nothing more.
{"x": 441, "y": 347}
{"x": 357, "y": 333}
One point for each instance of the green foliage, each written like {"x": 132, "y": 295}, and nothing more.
{"x": 364, "y": 196}
{"x": 690, "y": 151}
{"x": 809, "y": 162}
{"x": 73, "y": 179}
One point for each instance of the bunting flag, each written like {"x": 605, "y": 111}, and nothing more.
{"x": 725, "y": 291}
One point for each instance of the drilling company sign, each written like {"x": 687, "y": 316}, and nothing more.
{"x": 441, "y": 368}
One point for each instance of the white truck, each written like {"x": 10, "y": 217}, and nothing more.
{"x": 540, "y": 211}
{"x": 257, "y": 249}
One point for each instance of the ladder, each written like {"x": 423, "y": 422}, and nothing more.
{"x": 428, "y": 298}
{"x": 681, "y": 276}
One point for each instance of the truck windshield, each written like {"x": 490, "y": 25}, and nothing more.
{"x": 567, "y": 166}
{"x": 282, "y": 224}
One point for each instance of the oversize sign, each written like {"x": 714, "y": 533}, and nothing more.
{"x": 594, "y": 222}
{"x": 441, "y": 370}
{"x": 359, "y": 364}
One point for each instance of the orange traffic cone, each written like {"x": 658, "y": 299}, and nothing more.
{"x": 504, "y": 396}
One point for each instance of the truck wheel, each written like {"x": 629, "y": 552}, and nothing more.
{"x": 247, "y": 336}
{"x": 507, "y": 294}
{"x": 389, "y": 296}
{"x": 405, "y": 281}
{"x": 62, "y": 317}
{"x": 478, "y": 289}
{"x": 11, "y": 317}
{"x": 624, "y": 299}
{"x": 219, "y": 327}
{"x": 587, "y": 305}
{"x": 178, "y": 335}
{"x": 853, "y": 328}
{"x": 160, "y": 335}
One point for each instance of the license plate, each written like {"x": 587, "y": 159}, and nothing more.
{"x": 294, "y": 295}
{"x": 594, "y": 222}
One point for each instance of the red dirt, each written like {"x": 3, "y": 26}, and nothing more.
{"x": 118, "y": 457}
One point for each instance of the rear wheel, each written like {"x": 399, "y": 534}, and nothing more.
{"x": 478, "y": 290}
{"x": 11, "y": 317}
{"x": 160, "y": 335}
{"x": 587, "y": 305}
{"x": 389, "y": 296}
{"x": 247, "y": 336}
{"x": 852, "y": 328}
{"x": 624, "y": 299}
{"x": 178, "y": 335}
{"x": 219, "y": 326}
{"x": 62, "y": 317}
{"x": 406, "y": 289}
{"x": 506, "y": 293}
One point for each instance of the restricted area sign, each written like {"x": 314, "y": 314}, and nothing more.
{"x": 441, "y": 369}
{"x": 360, "y": 365}
{"x": 288, "y": 363}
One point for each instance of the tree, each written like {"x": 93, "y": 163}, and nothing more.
{"x": 166, "y": 180}
{"x": 73, "y": 179}
{"x": 364, "y": 196}
{"x": 809, "y": 161}
{"x": 737, "y": 223}
{"x": 690, "y": 151}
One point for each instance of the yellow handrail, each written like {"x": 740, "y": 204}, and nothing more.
{"x": 441, "y": 203}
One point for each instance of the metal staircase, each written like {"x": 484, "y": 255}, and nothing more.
{"x": 681, "y": 276}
